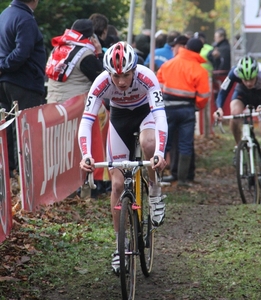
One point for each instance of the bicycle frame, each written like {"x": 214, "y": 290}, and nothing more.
{"x": 247, "y": 134}
{"x": 248, "y": 159}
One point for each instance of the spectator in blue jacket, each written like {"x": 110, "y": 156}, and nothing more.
{"x": 22, "y": 64}
{"x": 164, "y": 53}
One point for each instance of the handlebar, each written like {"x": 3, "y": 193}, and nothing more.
{"x": 238, "y": 116}
{"x": 254, "y": 114}
{"x": 126, "y": 164}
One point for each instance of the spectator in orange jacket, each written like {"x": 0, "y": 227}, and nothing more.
{"x": 185, "y": 86}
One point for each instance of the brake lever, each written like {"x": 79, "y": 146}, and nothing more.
{"x": 89, "y": 177}
{"x": 219, "y": 124}
{"x": 158, "y": 177}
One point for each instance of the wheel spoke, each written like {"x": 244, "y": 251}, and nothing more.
{"x": 127, "y": 241}
{"x": 248, "y": 183}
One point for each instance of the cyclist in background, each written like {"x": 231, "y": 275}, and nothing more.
{"x": 247, "y": 92}
{"x": 136, "y": 105}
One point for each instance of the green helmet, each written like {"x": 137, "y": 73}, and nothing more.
{"x": 247, "y": 68}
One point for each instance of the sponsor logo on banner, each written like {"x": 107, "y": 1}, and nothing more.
{"x": 58, "y": 151}
{"x": 27, "y": 162}
{"x": 49, "y": 153}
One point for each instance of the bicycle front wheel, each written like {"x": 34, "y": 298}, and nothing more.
{"x": 248, "y": 183}
{"x": 146, "y": 238}
{"x": 127, "y": 247}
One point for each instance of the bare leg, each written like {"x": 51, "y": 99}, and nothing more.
{"x": 117, "y": 188}
{"x": 147, "y": 142}
{"x": 236, "y": 107}
{"x": 157, "y": 206}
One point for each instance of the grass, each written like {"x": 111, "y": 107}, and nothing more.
{"x": 227, "y": 257}
{"x": 66, "y": 249}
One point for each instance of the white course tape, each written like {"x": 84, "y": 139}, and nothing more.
{"x": 6, "y": 124}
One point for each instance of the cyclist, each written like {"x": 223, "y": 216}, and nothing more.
{"x": 136, "y": 104}
{"x": 247, "y": 91}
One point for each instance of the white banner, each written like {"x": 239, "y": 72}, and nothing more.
{"x": 252, "y": 16}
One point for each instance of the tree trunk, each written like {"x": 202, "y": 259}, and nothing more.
{"x": 195, "y": 24}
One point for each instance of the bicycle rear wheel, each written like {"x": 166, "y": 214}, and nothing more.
{"x": 146, "y": 238}
{"x": 127, "y": 247}
{"x": 248, "y": 182}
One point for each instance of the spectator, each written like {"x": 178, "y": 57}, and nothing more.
{"x": 204, "y": 51}
{"x": 79, "y": 48}
{"x": 100, "y": 27}
{"x": 179, "y": 42}
{"x": 190, "y": 89}
{"x": 189, "y": 34}
{"x": 164, "y": 53}
{"x": 220, "y": 55}
{"x": 172, "y": 154}
{"x": 160, "y": 39}
{"x": 112, "y": 37}
{"x": 22, "y": 65}
{"x": 142, "y": 43}
{"x": 137, "y": 51}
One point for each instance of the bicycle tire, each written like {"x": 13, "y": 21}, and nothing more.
{"x": 248, "y": 184}
{"x": 257, "y": 156}
{"x": 146, "y": 238}
{"x": 127, "y": 247}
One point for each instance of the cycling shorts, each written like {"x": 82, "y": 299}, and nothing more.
{"x": 247, "y": 96}
{"x": 123, "y": 124}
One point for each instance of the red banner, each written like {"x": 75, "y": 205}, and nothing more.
{"x": 5, "y": 192}
{"x": 49, "y": 154}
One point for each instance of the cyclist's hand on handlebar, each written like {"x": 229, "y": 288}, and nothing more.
{"x": 87, "y": 164}
{"x": 159, "y": 164}
{"x": 218, "y": 114}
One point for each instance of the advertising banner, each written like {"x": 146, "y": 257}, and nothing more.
{"x": 49, "y": 154}
{"x": 5, "y": 192}
{"x": 252, "y": 16}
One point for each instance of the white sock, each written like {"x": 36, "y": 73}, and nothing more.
{"x": 154, "y": 190}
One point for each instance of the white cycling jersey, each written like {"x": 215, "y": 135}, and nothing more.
{"x": 144, "y": 90}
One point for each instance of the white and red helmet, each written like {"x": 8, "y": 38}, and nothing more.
{"x": 120, "y": 58}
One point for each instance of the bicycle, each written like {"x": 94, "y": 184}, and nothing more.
{"x": 136, "y": 232}
{"x": 248, "y": 159}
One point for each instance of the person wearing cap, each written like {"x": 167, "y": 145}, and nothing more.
{"x": 172, "y": 156}
{"x": 74, "y": 63}
{"x": 185, "y": 86}
{"x": 162, "y": 54}
{"x": 179, "y": 41}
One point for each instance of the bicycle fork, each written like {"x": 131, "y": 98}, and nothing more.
{"x": 250, "y": 144}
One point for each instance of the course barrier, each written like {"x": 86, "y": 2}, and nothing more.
{"x": 49, "y": 155}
